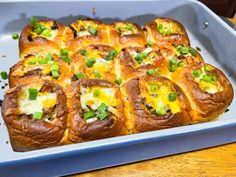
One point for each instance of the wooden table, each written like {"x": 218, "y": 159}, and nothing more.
{"x": 212, "y": 162}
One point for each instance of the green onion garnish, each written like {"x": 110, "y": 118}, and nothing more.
{"x": 149, "y": 43}
{"x": 196, "y": 73}
{"x": 129, "y": 27}
{"x": 102, "y": 107}
{"x": 102, "y": 115}
{"x": 90, "y": 62}
{"x": 210, "y": 79}
{"x": 79, "y": 75}
{"x": 92, "y": 30}
{"x": 33, "y": 93}
{"x": 161, "y": 110}
{"x": 55, "y": 74}
{"x": 150, "y": 72}
{"x": 96, "y": 93}
{"x": 4, "y": 75}
{"x": 153, "y": 88}
{"x": 111, "y": 55}
{"x": 38, "y": 115}
{"x": 208, "y": 68}
{"x": 118, "y": 81}
{"x": 90, "y": 114}
{"x": 172, "y": 96}
{"x": 83, "y": 52}
{"x": 15, "y": 36}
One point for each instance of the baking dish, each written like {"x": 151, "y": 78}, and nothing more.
{"x": 207, "y": 31}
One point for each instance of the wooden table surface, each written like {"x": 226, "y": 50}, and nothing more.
{"x": 213, "y": 162}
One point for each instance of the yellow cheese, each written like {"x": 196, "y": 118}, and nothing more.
{"x": 27, "y": 106}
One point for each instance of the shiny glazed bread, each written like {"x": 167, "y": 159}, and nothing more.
{"x": 92, "y": 80}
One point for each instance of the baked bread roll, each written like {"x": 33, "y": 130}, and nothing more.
{"x": 139, "y": 61}
{"x": 166, "y": 30}
{"x": 95, "y": 110}
{"x": 45, "y": 36}
{"x": 154, "y": 103}
{"x": 86, "y": 32}
{"x": 130, "y": 34}
{"x": 94, "y": 61}
{"x": 208, "y": 90}
{"x": 40, "y": 66}
{"x": 35, "y": 115}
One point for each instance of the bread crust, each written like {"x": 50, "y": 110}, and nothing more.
{"x": 178, "y": 37}
{"x": 39, "y": 44}
{"x": 146, "y": 121}
{"x": 17, "y": 79}
{"x": 205, "y": 106}
{"x": 29, "y": 134}
{"x": 79, "y": 130}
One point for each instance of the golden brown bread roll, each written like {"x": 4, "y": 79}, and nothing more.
{"x": 207, "y": 88}
{"x": 45, "y": 36}
{"x": 154, "y": 103}
{"x": 95, "y": 110}
{"x": 40, "y": 66}
{"x": 86, "y": 32}
{"x": 166, "y": 30}
{"x": 95, "y": 61}
{"x": 35, "y": 115}
{"x": 130, "y": 34}
{"x": 138, "y": 61}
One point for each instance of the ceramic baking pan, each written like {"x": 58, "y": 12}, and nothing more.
{"x": 207, "y": 31}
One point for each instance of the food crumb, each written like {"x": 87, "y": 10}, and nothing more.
{"x": 3, "y": 87}
{"x": 198, "y": 49}
{"x": 4, "y": 56}
{"x": 94, "y": 11}
{"x": 0, "y": 102}
{"x": 6, "y": 84}
{"x": 226, "y": 110}
{"x": 7, "y": 142}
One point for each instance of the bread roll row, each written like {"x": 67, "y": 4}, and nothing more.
{"x": 91, "y": 80}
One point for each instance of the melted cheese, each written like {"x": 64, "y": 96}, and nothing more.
{"x": 106, "y": 95}
{"x": 160, "y": 98}
{"x": 206, "y": 86}
{"x": 43, "y": 100}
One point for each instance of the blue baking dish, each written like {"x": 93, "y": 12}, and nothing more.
{"x": 206, "y": 30}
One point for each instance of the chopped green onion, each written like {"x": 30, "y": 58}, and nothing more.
{"x": 46, "y": 33}
{"x": 90, "y": 114}
{"x": 15, "y": 36}
{"x": 129, "y": 27}
{"x": 210, "y": 79}
{"x": 172, "y": 96}
{"x": 111, "y": 55}
{"x": 96, "y": 93}
{"x": 49, "y": 56}
{"x": 102, "y": 107}
{"x": 185, "y": 50}
{"x": 4, "y": 75}
{"x": 180, "y": 64}
{"x": 102, "y": 115}
{"x": 97, "y": 74}
{"x": 157, "y": 72}
{"x": 83, "y": 52}
{"x": 92, "y": 30}
{"x": 160, "y": 28}
{"x": 161, "y": 110}
{"x": 90, "y": 62}
{"x": 38, "y": 115}
{"x": 55, "y": 74}
{"x": 118, "y": 81}
{"x": 64, "y": 52}
{"x": 149, "y": 43}
{"x": 208, "y": 68}
{"x": 51, "y": 62}
{"x": 150, "y": 72}
{"x": 173, "y": 61}
{"x": 55, "y": 67}
{"x": 32, "y": 62}
{"x": 65, "y": 58}
{"x": 33, "y": 21}
{"x": 79, "y": 75}
{"x": 33, "y": 93}
{"x": 153, "y": 88}
{"x": 44, "y": 61}
{"x": 196, "y": 73}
